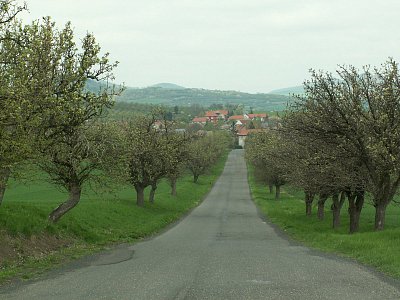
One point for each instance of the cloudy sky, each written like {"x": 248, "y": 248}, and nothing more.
{"x": 245, "y": 45}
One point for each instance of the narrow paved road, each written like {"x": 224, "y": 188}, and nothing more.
{"x": 222, "y": 250}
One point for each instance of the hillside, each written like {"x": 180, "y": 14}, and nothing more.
{"x": 165, "y": 94}
{"x": 289, "y": 91}
{"x": 168, "y": 86}
{"x": 187, "y": 97}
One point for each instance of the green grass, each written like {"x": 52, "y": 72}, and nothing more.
{"x": 377, "y": 249}
{"x": 98, "y": 221}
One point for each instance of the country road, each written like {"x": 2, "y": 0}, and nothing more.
{"x": 222, "y": 250}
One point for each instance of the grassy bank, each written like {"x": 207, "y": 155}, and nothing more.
{"x": 377, "y": 249}
{"x": 30, "y": 244}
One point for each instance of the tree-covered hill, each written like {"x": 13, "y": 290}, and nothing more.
{"x": 167, "y": 95}
{"x": 203, "y": 97}
{"x": 289, "y": 91}
{"x": 169, "y": 86}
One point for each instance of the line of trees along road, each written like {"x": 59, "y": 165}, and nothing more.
{"x": 49, "y": 118}
{"x": 146, "y": 155}
{"x": 341, "y": 139}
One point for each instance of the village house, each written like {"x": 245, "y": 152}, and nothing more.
{"x": 239, "y": 122}
{"x": 243, "y": 134}
{"x": 200, "y": 120}
{"x": 215, "y": 115}
{"x": 161, "y": 125}
{"x": 158, "y": 125}
{"x": 262, "y": 117}
{"x": 236, "y": 118}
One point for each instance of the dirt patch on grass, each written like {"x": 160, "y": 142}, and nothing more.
{"x": 13, "y": 250}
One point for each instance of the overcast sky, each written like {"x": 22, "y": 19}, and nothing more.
{"x": 244, "y": 45}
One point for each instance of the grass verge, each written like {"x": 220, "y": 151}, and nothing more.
{"x": 377, "y": 249}
{"x": 32, "y": 245}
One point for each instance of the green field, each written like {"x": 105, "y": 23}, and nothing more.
{"x": 100, "y": 220}
{"x": 378, "y": 249}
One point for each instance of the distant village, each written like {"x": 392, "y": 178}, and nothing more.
{"x": 240, "y": 125}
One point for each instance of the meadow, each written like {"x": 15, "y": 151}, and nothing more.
{"x": 31, "y": 244}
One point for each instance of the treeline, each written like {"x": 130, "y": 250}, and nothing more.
{"x": 341, "y": 139}
{"x": 203, "y": 97}
{"x": 125, "y": 110}
{"x": 49, "y": 118}
{"x": 181, "y": 114}
{"x": 146, "y": 154}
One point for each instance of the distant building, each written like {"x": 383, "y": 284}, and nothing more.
{"x": 157, "y": 125}
{"x": 215, "y": 115}
{"x": 262, "y": 117}
{"x": 200, "y": 120}
{"x": 236, "y": 118}
{"x": 180, "y": 130}
{"x": 240, "y": 124}
{"x": 243, "y": 133}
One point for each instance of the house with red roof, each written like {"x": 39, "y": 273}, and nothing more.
{"x": 215, "y": 115}
{"x": 239, "y": 124}
{"x": 262, "y": 117}
{"x": 200, "y": 120}
{"x": 243, "y": 133}
{"x": 239, "y": 121}
{"x": 236, "y": 118}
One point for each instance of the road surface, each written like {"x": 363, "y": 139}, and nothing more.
{"x": 222, "y": 250}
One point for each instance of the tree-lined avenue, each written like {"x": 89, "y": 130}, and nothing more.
{"x": 222, "y": 250}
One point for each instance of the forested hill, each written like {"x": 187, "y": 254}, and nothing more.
{"x": 183, "y": 97}
{"x": 296, "y": 90}
{"x": 170, "y": 86}
{"x": 189, "y": 96}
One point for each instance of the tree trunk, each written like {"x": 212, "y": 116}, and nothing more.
{"x": 308, "y": 209}
{"x": 4, "y": 175}
{"x": 139, "y": 195}
{"x": 152, "y": 192}
{"x": 321, "y": 206}
{"x": 271, "y": 188}
{"x": 173, "y": 187}
{"x": 195, "y": 178}
{"x": 336, "y": 218}
{"x": 356, "y": 202}
{"x": 62, "y": 209}
{"x": 382, "y": 197}
{"x": 277, "y": 192}
{"x": 309, "y": 198}
{"x": 336, "y": 208}
{"x": 380, "y": 211}
{"x": 2, "y": 192}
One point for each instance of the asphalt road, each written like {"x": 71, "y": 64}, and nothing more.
{"x": 222, "y": 250}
